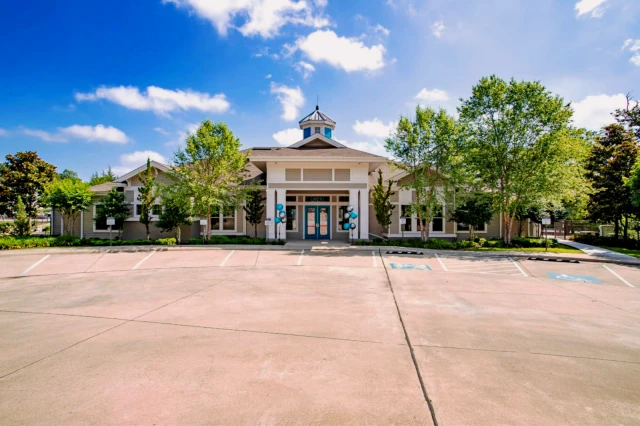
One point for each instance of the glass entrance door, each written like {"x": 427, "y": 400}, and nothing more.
{"x": 317, "y": 223}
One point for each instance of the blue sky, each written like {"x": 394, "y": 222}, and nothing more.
{"x": 95, "y": 84}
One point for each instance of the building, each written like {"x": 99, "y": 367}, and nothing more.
{"x": 315, "y": 180}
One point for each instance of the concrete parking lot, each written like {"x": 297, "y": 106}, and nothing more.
{"x": 316, "y": 337}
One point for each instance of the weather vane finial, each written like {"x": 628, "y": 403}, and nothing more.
{"x": 317, "y": 102}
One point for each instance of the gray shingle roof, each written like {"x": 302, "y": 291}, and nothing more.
{"x": 317, "y": 115}
{"x": 264, "y": 152}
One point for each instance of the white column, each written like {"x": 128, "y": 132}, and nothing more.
{"x": 271, "y": 213}
{"x": 281, "y": 198}
{"x": 363, "y": 214}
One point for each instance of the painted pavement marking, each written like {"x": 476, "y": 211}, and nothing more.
{"x": 567, "y": 277}
{"x": 410, "y": 266}
{"x": 143, "y": 260}
{"x": 227, "y": 258}
{"x": 26, "y": 271}
{"x": 300, "y": 258}
{"x": 440, "y": 261}
{"x": 373, "y": 256}
{"x": 621, "y": 279}
{"x": 518, "y": 266}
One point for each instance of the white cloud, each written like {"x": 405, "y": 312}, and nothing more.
{"x": 258, "y": 17}
{"x": 181, "y": 135}
{"x": 268, "y": 76}
{"x": 594, "y": 112}
{"x": 4, "y": 132}
{"x": 132, "y": 161}
{"x": 350, "y": 54}
{"x": 288, "y": 137}
{"x": 382, "y": 30}
{"x": 157, "y": 99}
{"x": 161, "y": 131}
{"x": 634, "y": 47}
{"x": 594, "y": 7}
{"x": 374, "y": 128}
{"x": 98, "y": 133}
{"x": 305, "y": 68}
{"x": 437, "y": 28}
{"x": 290, "y": 98}
{"x": 429, "y": 96}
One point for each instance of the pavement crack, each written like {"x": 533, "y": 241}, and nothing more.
{"x": 411, "y": 351}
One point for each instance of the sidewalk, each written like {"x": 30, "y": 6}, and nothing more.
{"x": 601, "y": 253}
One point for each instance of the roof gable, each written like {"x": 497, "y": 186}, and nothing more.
{"x": 317, "y": 116}
{"x": 313, "y": 139}
{"x": 154, "y": 164}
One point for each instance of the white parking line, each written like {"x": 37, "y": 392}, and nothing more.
{"x": 143, "y": 260}
{"x": 518, "y": 266}
{"x": 373, "y": 256}
{"x": 227, "y": 258}
{"x": 26, "y": 271}
{"x": 441, "y": 264}
{"x": 481, "y": 268}
{"x": 300, "y": 258}
{"x": 621, "y": 279}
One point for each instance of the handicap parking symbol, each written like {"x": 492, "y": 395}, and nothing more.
{"x": 567, "y": 277}
{"x": 410, "y": 266}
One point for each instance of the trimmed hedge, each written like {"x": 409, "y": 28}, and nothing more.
{"x": 438, "y": 244}
{"x": 597, "y": 240}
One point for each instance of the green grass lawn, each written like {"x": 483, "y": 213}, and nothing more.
{"x": 561, "y": 248}
{"x": 628, "y": 252}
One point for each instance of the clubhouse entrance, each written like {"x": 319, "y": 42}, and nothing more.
{"x": 317, "y": 223}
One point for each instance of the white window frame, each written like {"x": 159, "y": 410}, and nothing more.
{"x": 221, "y": 219}
{"x": 295, "y": 206}
{"x": 94, "y": 222}
{"x": 475, "y": 231}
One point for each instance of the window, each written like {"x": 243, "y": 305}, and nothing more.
{"x": 327, "y": 132}
{"x": 292, "y": 220}
{"x": 138, "y": 209}
{"x": 465, "y": 228}
{"x": 316, "y": 130}
{"x": 215, "y": 220}
{"x": 404, "y": 212}
{"x": 341, "y": 220}
{"x": 101, "y": 225}
{"x": 291, "y": 198}
{"x": 316, "y": 198}
{"x": 306, "y": 132}
{"x": 437, "y": 225}
{"x": 343, "y": 199}
{"x": 223, "y": 221}
{"x": 156, "y": 210}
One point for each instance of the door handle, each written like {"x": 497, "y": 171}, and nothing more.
{"x": 317, "y": 225}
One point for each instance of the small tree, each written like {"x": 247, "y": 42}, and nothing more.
{"x": 147, "y": 195}
{"x": 70, "y": 196}
{"x": 382, "y": 202}
{"x": 474, "y": 211}
{"x": 211, "y": 169}
{"x": 24, "y": 175}
{"x": 426, "y": 151}
{"x": 113, "y": 205}
{"x": 254, "y": 208}
{"x": 176, "y": 210}
{"x": 22, "y": 221}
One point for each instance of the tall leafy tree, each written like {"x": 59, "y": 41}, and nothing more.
{"x": 210, "y": 169}
{"x": 70, "y": 196}
{"x": 68, "y": 174}
{"x": 630, "y": 116}
{"x": 103, "y": 177}
{"x": 518, "y": 143}
{"x": 609, "y": 167}
{"x": 382, "y": 201}
{"x": 113, "y": 205}
{"x": 474, "y": 210}
{"x": 426, "y": 151}
{"x": 254, "y": 209}
{"x": 147, "y": 195}
{"x": 176, "y": 210}
{"x": 24, "y": 175}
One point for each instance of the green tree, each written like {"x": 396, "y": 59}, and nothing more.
{"x": 70, "y": 196}
{"x": 104, "y": 177}
{"x": 147, "y": 195}
{"x": 517, "y": 145}
{"x": 24, "y": 175}
{"x": 176, "y": 210}
{"x": 113, "y": 205}
{"x": 68, "y": 174}
{"x": 254, "y": 209}
{"x": 210, "y": 169}
{"x": 22, "y": 221}
{"x": 426, "y": 151}
{"x": 630, "y": 117}
{"x": 382, "y": 201}
{"x": 609, "y": 167}
{"x": 474, "y": 210}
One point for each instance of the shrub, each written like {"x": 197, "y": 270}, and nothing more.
{"x": 197, "y": 240}
{"x": 46, "y": 229}
{"x": 5, "y": 227}
{"x": 14, "y": 243}
{"x": 68, "y": 241}
{"x": 166, "y": 241}
{"x": 493, "y": 243}
{"x": 464, "y": 244}
{"x": 437, "y": 244}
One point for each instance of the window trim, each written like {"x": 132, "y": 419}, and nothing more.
{"x": 295, "y": 206}
{"x": 94, "y": 222}
{"x": 221, "y": 217}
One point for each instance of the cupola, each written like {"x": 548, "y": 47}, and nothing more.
{"x": 317, "y": 122}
